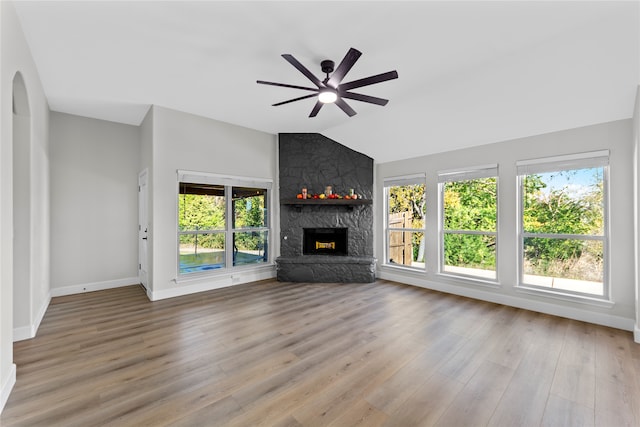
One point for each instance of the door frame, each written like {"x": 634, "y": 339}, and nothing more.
{"x": 143, "y": 228}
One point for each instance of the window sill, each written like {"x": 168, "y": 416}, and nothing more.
{"x": 469, "y": 280}
{"x": 221, "y": 273}
{"x": 402, "y": 267}
{"x": 581, "y": 299}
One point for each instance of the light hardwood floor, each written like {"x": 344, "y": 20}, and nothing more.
{"x": 285, "y": 354}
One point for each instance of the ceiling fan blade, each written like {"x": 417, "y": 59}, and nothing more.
{"x": 378, "y": 78}
{"x": 347, "y": 62}
{"x": 345, "y": 107}
{"x": 295, "y": 99}
{"x": 262, "y": 82}
{"x": 364, "y": 98}
{"x": 293, "y": 61}
{"x": 316, "y": 109}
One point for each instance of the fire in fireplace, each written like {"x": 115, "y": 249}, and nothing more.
{"x": 324, "y": 241}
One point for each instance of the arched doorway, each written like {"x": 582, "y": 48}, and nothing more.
{"x": 22, "y": 292}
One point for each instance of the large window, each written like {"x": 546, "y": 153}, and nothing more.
{"x": 221, "y": 222}
{"x": 563, "y": 224}
{"x": 468, "y": 222}
{"x": 405, "y": 201}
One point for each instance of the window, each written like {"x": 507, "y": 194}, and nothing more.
{"x": 405, "y": 211}
{"x": 250, "y": 232}
{"x": 563, "y": 224}
{"x": 202, "y": 227}
{"x": 207, "y": 239}
{"x": 468, "y": 222}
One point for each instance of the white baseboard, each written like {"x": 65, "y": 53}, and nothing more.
{"x": 23, "y": 333}
{"x": 41, "y": 313}
{"x": 95, "y": 286}
{"x": 574, "y": 313}
{"x": 203, "y": 284}
{"x": 7, "y": 386}
{"x": 636, "y": 333}
{"x": 28, "y": 332}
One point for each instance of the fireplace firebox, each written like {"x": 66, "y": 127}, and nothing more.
{"x": 324, "y": 241}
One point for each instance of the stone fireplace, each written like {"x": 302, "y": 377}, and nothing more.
{"x": 324, "y": 240}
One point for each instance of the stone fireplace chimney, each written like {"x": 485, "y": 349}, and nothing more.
{"x": 314, "y": 162}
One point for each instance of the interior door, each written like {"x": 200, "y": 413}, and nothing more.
{"x": 143, "y": 228}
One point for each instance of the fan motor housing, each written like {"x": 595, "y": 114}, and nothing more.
{"x": 327, "y": 66}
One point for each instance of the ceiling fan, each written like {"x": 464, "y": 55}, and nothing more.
{"x": 331, "y": 89}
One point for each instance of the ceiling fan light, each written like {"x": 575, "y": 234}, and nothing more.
{"x": 327, "y": 96}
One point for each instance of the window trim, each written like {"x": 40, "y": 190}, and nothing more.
{"x": 568, "y": 162}
{"x": 398, "y": 181}
{"x": 465, "y": 174}
{"x": 228, "y": 182}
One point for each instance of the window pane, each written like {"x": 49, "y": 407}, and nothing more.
{"x": 407, "y": 206}
{"x": 249, "y": 207}
{"x": 568, "y": 264}
{"x": 201, "y": 252}
{"x": 201, "y": 207}
{"x": 250, "y": 247}
{"x": 567, "y": 202}
{"x": 472, "y": 254}
{"x": 470, "y": 204}
{"x": 406, "y": 248}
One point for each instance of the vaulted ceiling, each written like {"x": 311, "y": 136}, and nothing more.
{"x": 470, "y": 73}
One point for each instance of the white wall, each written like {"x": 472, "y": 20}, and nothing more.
{"x": 30, "y": 218}
{"x": 636, "y": 210}
{"x": 40, "y": 215}
{"x": 21, "y": 219}
{"x": 183, "y": 141}
{"x": 94, "y": 204}
{"x": 146, "y": 163}
{"x": 615, "y": 136}
{"x": 16, "y": 57}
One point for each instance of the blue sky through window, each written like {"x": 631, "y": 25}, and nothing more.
{"x": 576, "y": 182}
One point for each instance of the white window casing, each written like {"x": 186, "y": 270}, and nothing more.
{"x": 559, "y": 163}
{"x": 465, "y": 174}
{"x": 587, "y": 160}
{"x": 400, "y": 181}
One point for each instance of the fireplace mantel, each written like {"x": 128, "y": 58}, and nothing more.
{"x": 303, "y": 202}
{"x": 348, "y": 203}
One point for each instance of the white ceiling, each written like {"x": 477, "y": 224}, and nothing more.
{"x": 470, "y": 73}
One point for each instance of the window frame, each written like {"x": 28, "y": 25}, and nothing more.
{"x": 233, "y": 229}
{"x": 560, "y": 164}
{"x": 228, "y": 182}
{"x": 398, "y": 181}
{"x": 457, "y": 175}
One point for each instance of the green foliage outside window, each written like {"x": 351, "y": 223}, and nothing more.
{"x": 566, "y": 209}
{"x": 410, "y": 199}
{"x": 249, "y": 212}
{"x": 470, "y": 205}
{"x": 553, "y": 203}
{"x": 201, "y": 212}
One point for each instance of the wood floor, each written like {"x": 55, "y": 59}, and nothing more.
{"x": 284, "y": 354}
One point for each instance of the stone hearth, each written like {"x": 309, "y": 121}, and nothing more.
{"x": 314, "y": 161}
